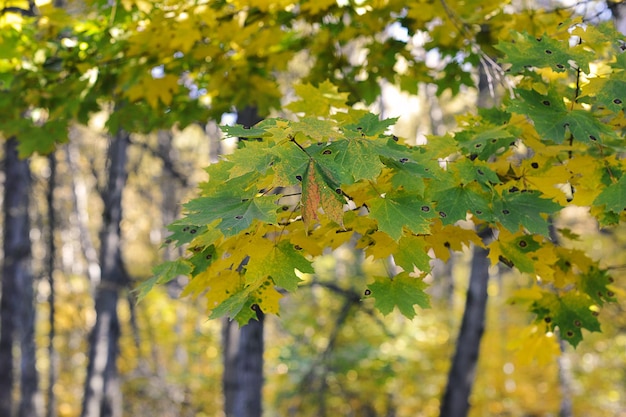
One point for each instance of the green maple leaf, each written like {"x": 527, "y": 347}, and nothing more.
{"x": 553, "y": 120}
{"x": 202, "y": 258}
{"x": 233, "y": 307}
{"x": 235, "y": 214}
{"x": 468, "y": 170}
{"x": 353, "y": 159}
{"x": 280, "y": 264}
{"x": 402, "y": 291}
{"x": 612, "y": 93}
{"x": 488, "y": 142}
{"x": 525, "y": 209}
{"x": 240, "y": 131}
{"x": 613, "y": 197}
{"x": 412, "y": 251}
{"x": 594, "y": 283}
{"x": 454, "y": 203}
{"x": 569, "y": 312}
{"x": 394, "y": 212}
{"x": 519, "y": 252}
{"x": 162, "y": 274}
{"x": 526, "y": 51}
{"x": 183, "y": 232}
{"x": 291, "y": 164}
{"x": 370, "y": 125}
{"x": 41, "y": 139}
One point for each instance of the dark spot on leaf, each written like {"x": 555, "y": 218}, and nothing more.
{"x": 426, "y": 169}
{"x": 299, "y": 177}
{"x": 339, "y": 191}
{"x": 239, "y": 217}
{"x": 513, "y": 189}
{"x": 425, "y": 208}
{"x": 547, "y": 319}
{"x": 595, "y": 313}
{"x": 549, "y": 52}
{"x": 284, "y": 208}
{"x": 447, "y": 244}
{"x": 534, "y": 165}
{"x": 611, "y": 279}
{"x": 479, "y": 212}
{"x": 368, "y": 292}
{"x": 297, "y": 247}
{"x": 359, "y": 128}
{"x": 193, "y": 231}
{"x": 480, "y": 172}
{"x": 197, "y": 249}
{"x": 243, "y": 200}
{"x": 168, "y": 241}
{"x": 539, "y": 39}
{"x": 569, "y": 333}
{"x": 505, "y": 211}
{"x": 610, "y": 293}
{"x": 395, "y": 138}
{"x": 577, "y": 323}
{"x": 559, "y": 66}
{"x": 262, "y": 190}
{"x": 600, "y": 294}
{"x": 404, "y": 160}
{"x": 442, "y": 214}
{"x": 546, "y": 102}
{"x": 478, "y": 145}
{"x": 185, "y": 229}
{"x": 494, "y": 140}
{"x": 473, "y": 156}
{"x": 593, "y": 137}
{"x": 522, "y": 243}
{"x": 209, "y": 256}
{"x": 617, "y": 101}
{"x": 327, "y": 152}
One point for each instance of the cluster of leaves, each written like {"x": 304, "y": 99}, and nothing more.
{"x": 295, "y": 188}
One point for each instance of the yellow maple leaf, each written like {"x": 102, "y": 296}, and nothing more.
{"x": 442, "y": 239}
{"x": 267, "y": 297}
{"x": 154, "y": 90}
{"x": 532, "y": 344}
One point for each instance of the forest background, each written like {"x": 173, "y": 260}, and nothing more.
{"x": 110, "y": 112}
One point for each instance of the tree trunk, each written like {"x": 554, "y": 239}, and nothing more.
{"x": 461, "y": 376}
{"x": 242, "y": 381}
{"x": 102, "y": 388}
{"x": 17, "y": 306}
{"x": 52, "y": 356}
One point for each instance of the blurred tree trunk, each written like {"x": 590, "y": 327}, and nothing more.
{"x": 17, "y": 305}
{"x": 52, "y": 225}
{"x": 461, "y": 375}
{"x": 102, "y": 386}
{"x": 242, "y": 380}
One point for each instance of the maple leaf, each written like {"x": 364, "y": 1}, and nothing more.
{"x": 488, "y": 141}
{"x": 162, "y": 274}
{"x": 514, "y": 249}
{"x": 402, "y": 291}
{"x": 317, "y": 101}
{"x": 320, "y": 191}
{"x": 613, "y": 197}
{"x": 594, "y": 283}
{"x": 515, "y": 209}
{"x": 454, "y": 203}
{"x": 526, "y": 51}
{"x": 412, "y": 252}
{"x": 235, "y": 213}
{"x": 570, "y": 312}
{"x": 394, "y": 212}
{"x": 553, "y": 120}
{"x": 279, "y": 264}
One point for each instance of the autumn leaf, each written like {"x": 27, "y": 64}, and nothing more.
{"x": 412, "y": 253}
{"x": 402, "y": 291}
{"x": 162, "y": 274}
{"x": 280, "y": 264}
{"x": 318, "y": 191}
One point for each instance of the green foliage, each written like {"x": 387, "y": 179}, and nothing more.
{"x": 336, "y": 172}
